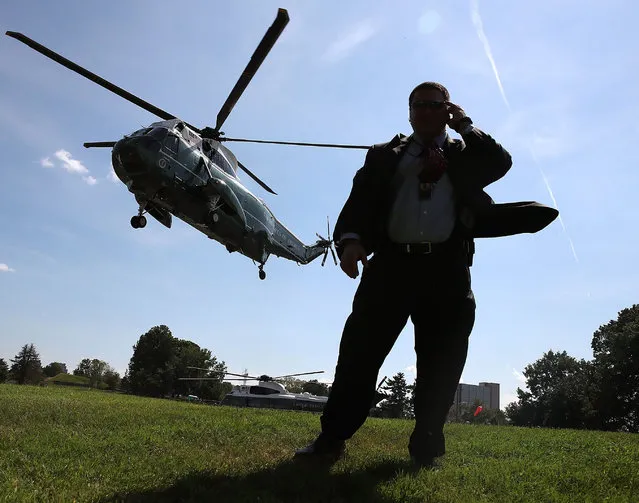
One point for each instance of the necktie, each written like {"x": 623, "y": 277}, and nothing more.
{"x": 434, "y": 165}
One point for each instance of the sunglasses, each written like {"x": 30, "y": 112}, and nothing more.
{"x": 432, "y": 105}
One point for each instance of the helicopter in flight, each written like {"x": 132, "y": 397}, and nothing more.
{"x": 176, "y": 169}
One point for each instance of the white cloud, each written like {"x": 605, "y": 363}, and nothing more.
{"x": 412, "y": 369}
{"x": 345, "y": 44}
{"x": 6, "y": 268}
{"x": 70, "y": 164}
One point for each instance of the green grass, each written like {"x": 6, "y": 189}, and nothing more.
{"x": 65, "y": 444}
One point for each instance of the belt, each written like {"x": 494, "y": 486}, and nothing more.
{"x": 419, "y": 248}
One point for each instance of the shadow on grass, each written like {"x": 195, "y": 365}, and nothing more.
{"x": 290, "y": 481}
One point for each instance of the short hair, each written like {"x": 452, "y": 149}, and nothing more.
{"x": 429, "y": 85}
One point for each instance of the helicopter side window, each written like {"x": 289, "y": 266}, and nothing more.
{"x": 219, "y": 159}
{"x": 260, "y": 390}
{"x": 171, "y": 143}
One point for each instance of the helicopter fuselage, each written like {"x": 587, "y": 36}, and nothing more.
{"x": 273, "y": 395}
{"x": 172, "y": 170}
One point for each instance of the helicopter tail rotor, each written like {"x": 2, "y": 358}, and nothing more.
{"x": 327, "y": 243}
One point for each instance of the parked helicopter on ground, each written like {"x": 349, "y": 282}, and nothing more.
{"x": 269, "y": 392}
{"x": 174, "y": 168}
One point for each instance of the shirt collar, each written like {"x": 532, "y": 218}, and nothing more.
{"x": 439, "y": 140}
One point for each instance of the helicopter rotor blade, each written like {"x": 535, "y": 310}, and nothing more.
{"x": 99, "y": 144}
{"x": 260, "y": 53}
{"x": 254, "y": 177}
{"x": 198, "y": 379}
{"x": 92, "y": 76}
{"x": 303, "y": 144}
{"x": 301, "y": 374}
{"x": 225, "y": 373}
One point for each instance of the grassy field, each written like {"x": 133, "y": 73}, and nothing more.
{"x": 61, "y": 444}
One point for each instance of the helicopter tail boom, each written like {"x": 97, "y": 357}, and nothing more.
{"x": 286, "y": 244}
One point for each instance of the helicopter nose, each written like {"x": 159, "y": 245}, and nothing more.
{"x": 127, "y": 156}
{"x": 133, "y": 153}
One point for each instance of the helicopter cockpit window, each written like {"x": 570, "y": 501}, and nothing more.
{"x": 159, "y": 133}
{"x": 141, "y": 132}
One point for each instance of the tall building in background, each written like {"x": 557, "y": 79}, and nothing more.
{"x": 486, "y": 392}
{"x": 494, "y": 394}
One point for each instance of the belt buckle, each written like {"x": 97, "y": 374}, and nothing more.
{"x": 429, "y": 250}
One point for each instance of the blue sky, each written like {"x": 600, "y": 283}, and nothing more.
{"x": 553, "y": 82}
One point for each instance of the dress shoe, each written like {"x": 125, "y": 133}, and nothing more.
{"x": 424, "y": 447}
{"x": 420, "y": 460}
{"x": 323, "y": 448}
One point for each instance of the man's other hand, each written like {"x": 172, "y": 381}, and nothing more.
{"x": 353, "y": 253}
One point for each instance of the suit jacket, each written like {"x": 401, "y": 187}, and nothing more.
{"x": 474, "y": 162}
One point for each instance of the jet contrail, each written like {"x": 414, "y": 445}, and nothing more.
{"x": 561, "y": 221}
{"x": 474, "y": 11}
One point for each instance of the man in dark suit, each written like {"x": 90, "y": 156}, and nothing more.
{"x": 417, "y": 204}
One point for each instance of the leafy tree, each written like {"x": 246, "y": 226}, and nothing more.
{"x": 84, "y": 368}
{"x": 4, "y": 370}
{"x": 55, "y": 368}
{"x": 397, "y": 402}
{"x": 97, "y": 371}
{"x": 159, "y": 360}
{"x": 188, "y": 354}
{"x": 410, "y": 412}
{"x": 26, "y": 368}
{"x": 111, "y": 379}
{"x": 615, "y": 348}
{"x": 152, "y": 366}
{"x": 292, "y": 384}
{"x": 125, "y": 384}
{"x": 315, "y": 388}
{"x": 558, "y": 396}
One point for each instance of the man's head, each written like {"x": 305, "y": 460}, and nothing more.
{"x": 428, "y": 111}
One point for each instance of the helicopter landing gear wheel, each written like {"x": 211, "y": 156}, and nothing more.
{"x": 215, "y": 218}
{"x": 138, "y": 221}
{"x": 262, "y": 273}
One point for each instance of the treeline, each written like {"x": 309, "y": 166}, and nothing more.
{"x": 601, "y": 394}
{"x": 26, "y": 368}
{"x": 157, "y": 363}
